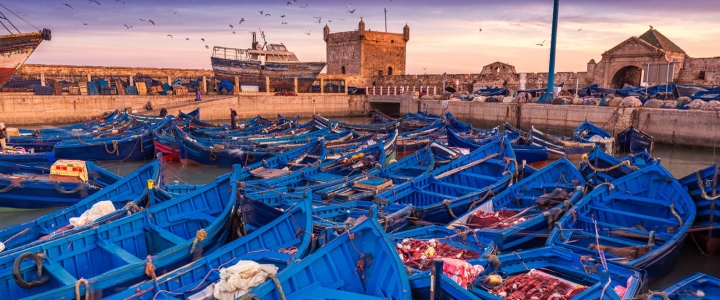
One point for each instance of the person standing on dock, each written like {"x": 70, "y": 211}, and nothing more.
{"x": 198, "y": 95}
{"x": 3, "y": 136}
{"x": 233, "y": 115}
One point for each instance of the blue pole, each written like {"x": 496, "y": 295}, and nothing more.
{"x": 553, "y": 44}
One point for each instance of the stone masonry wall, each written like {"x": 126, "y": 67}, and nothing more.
{"x": 81, "y": 72}
{"x": 344, "y": 49}
{"x": 382, "y": 51}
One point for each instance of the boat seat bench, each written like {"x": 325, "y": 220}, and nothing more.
{"x": 118, "y": 252}
{"x": 167, "y": 235}
{"x": 57, "y": 271}
{"x": 616, "y": 211}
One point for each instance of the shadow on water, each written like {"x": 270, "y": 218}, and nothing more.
{"x": 679, "y": 161}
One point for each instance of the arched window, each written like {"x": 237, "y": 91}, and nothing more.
{"x": 389, "y": 70}
{"x": 342, "y": 70}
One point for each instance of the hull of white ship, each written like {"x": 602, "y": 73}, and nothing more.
{"x": 281, "y": 74}
{"x": 14, "y": 51}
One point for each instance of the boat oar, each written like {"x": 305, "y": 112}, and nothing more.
{"x": 465, "y": 167}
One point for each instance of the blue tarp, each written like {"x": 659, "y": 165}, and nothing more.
{"x": 492, "y": 92}
{"x": 226, "y": 85}
{"x": 92, "y": 88}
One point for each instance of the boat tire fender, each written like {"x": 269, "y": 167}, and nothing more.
{"x": 18, "y": 277}
{"x": 212, "y": 156}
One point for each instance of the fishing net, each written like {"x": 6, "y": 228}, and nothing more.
{"x": 537, "y": 284}
{"x": 494, "y": 219}
{"x": 95, "y": 212}
{"x": 419, "y": 254}
{"x": 460, "y": 271}
{"x": 653, "y": 103}
{"x": 578, "y": 101}
{"x": 631, "y": 102}
{"x": 239, "y": 279}
{"x": 696, "y": 104}
{"x": 713, "y": 105}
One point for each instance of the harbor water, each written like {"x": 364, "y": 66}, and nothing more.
{"x": 679, "y": 161}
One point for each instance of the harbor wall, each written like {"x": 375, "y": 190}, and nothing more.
{"x": 691, "y": 128}
{"x": 26, "y": 109}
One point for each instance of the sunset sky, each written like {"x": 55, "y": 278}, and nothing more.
{"x": 444, "y": 35}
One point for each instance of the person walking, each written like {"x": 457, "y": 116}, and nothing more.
{"x": 233, "y": 116}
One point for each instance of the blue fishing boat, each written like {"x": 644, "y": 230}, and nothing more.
{"x": 359, "y": 264}
{"x": 588, "y": 132}
{"x": 65, "y": 183}
{"x": 458, "y": 186}
{"x": 368, "y": 186}
{"x": 557, "y": 146}
{"x": 639, "y": 220}
{"x": 126, "y": 251}
{"x": 598, "y": 167}
{"x": 528, "y": 209}
{"x": 279, "y": 239}
{"x": 134, "y": 147}
{"x": 341, "y": 216}
{"x": 380, "y": 117}
{"x": 528, "y": 153}
{"x": 634, "y": 140}
{"x": 552, "y": 273}
{"x": 697, "y": 286}
{"x": 444, "y": 154}
{"x": 30, "y": 159}
{"x": 437, "y": 285}
{"x": 120, "y": 193}
{"x": 703, "y": 188}
{"x": 191, "y": 150}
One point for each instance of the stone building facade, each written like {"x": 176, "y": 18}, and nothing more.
{"x": 365, "y": 52}
{"x": 625, "y": 63}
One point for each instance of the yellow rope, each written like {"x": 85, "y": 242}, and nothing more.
{"x": 603, "y": 170}
{"x": 200, "y": 235}
{"x": 115, "y": 150}
{"x": 77, "y": 289}
{"x": 447, "y": 205}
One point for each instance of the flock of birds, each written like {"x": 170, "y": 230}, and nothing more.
{"x": 263, "y": 13}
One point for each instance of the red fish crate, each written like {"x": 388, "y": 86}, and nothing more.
{"x": 419, "y": 254}
{"x": 537, "y": 285}
{"x": 494, "y": 219}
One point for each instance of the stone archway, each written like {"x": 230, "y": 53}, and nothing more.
{"x": 631, "y": 75}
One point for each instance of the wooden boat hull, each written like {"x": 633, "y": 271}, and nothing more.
{"x": 281, "y": 74}
{"x": 27, "y": 190}
{"x": 527, "y": 153}
{"x": 14, "y": 51}
{"x": 643, "y": 220}
{"x": 276, "y": 231}
{"x": 30, "y": 159}
{"x": 683, "y": 289}
{"x": 116, "y": 254}
{"x": 458, "y": 186}
{"x": 558, "y": 148}
{"x": 633, "y": 140}
{"x": 609, "y": 167}
{"x": 126, "y": 189}
{"x": 131, "y": 148}
{"x": 342, "y": 269}
{"x": 703, "y": 188}
{"x": 587, "y": 131}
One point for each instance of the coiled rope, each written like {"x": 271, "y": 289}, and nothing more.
{"x": 115, "y": 150}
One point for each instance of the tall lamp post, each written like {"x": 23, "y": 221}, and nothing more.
{"x": 553, "y": 47}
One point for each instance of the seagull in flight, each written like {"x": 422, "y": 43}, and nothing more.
{"x": 267, "y": 15}
{"x": 187, "y": 39}
{"x": 304, "y": 6}
{"x": 177, "y": 13}
{"x": 261, "y": 12}
{"x": 481, "y": 29}
{"x": 348, "y": 6}
{"x": 241, "y": 20}
{"x": 151, "y": 21}
{"x": 127, "y": 27}
{"x": 123, "y": 1}
{"x": 202, "y": 39}
{"x": 84, "y": 23}
{"x": 282, "y": 16}
{"x": 352, "y": 11}
{"x": 206, "y": 47}
{"x": 284, "y": 23}
{"x": 233, "y": 32}
{"x": 541, "y": 44}
{"x": 580, "y": 30}
{"x": 232, "y": 26}
{"x": 308, "y": 33}
{"x": 342, "y": 19}
{"x": 68, "y": 5}
{"x": 651, "y": 27}
{"x": 170, "y": 35}
{"x": 141, "y": 20}
{"x": 91, "y": 1}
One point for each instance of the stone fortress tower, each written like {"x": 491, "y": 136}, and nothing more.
{"x": 365, "y": 52}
